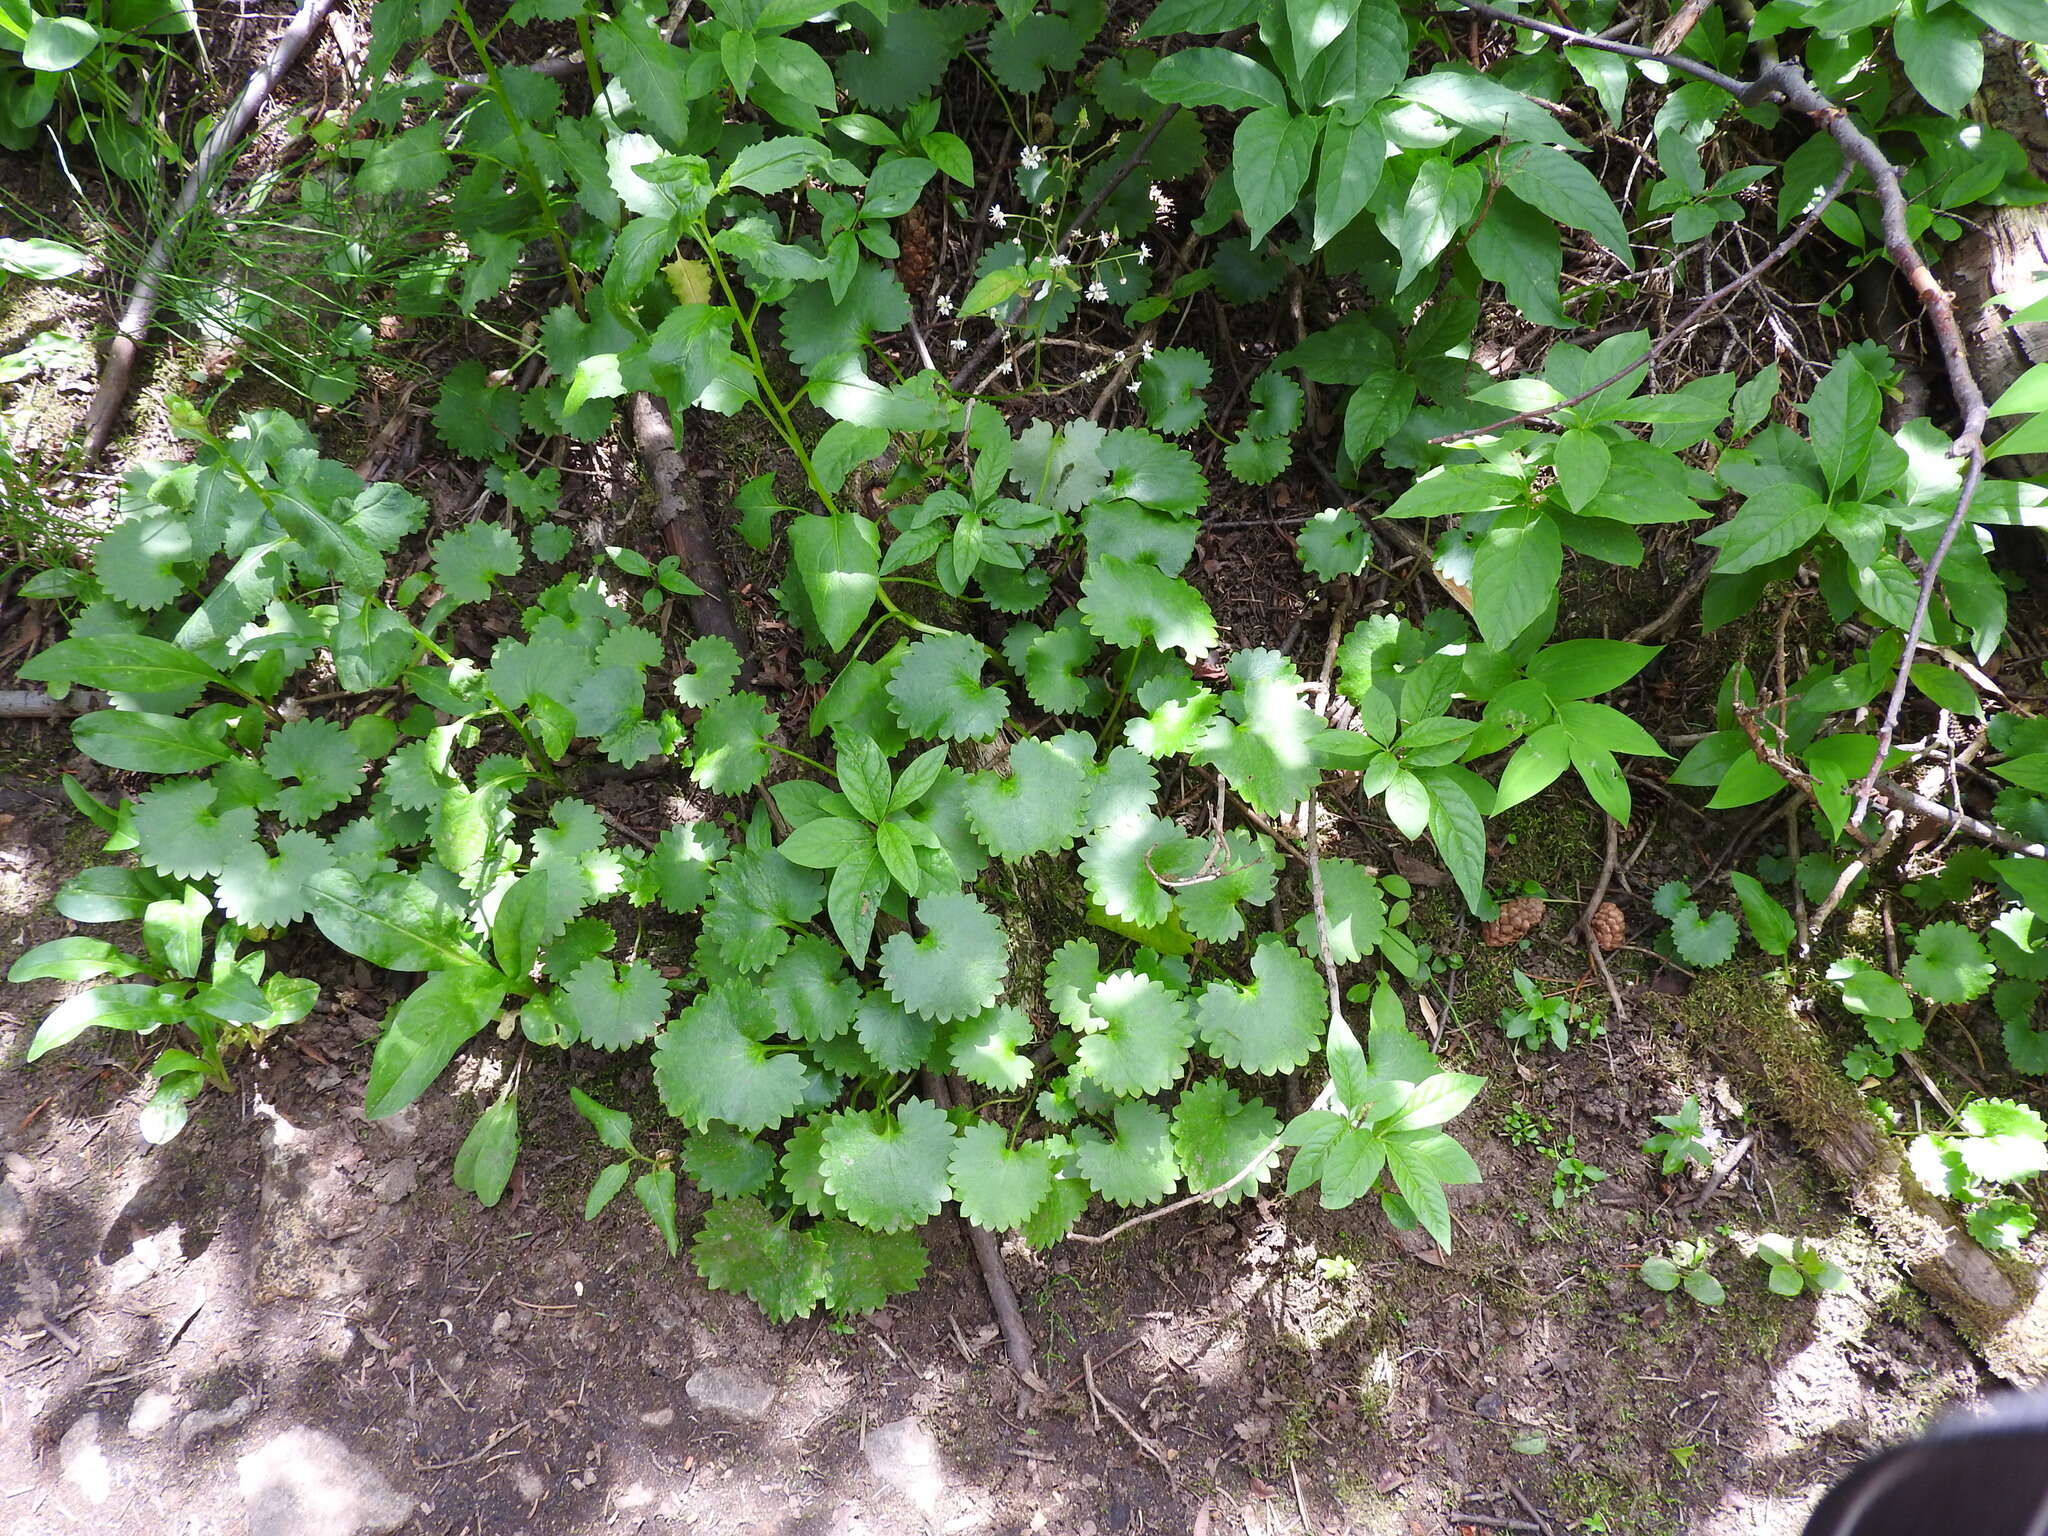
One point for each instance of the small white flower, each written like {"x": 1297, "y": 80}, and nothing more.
{"x": 1161, "y": 203}
{"x": 1005, "y": 368}
{"x": 1057, "y": 261}
{"x": 1104, "y": 239}
{"x": 1097, "y": 292}
{"x": 1146, "y": 348}
{"x": 1030, "y": 158}
{"x": 1046, "y": 206}
{"x": 996, "y": 217}
{"x": 1131, "y": 388}
{"x": 1144, "y": 251}
{"x": 945, "y": 303}
{"x": 958, "y": 343}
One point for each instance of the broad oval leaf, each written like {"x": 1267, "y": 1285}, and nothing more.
{"x": 436, "y": 1019}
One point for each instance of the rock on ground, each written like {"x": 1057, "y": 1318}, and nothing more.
{"x": 732, "y": 1389}
{"x": 904, "y": 1454}
{"x": 304, "y": 1482}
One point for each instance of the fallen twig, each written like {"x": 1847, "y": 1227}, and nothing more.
{"x": 34, "y": 704}
{"x": 1143, "y": 1441}
{"x": 1895, "y": 793}
{"x": 681, "y": 520}
{"x": 1720, "y": 1175}
{"x": 143, "y": 298}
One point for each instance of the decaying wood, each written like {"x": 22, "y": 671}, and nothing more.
{"x": 34, "y": 704}
{"x": 119, "y": 370}
{"x": 680, "y": 516}
{"x": 1999, "y": 1306}
{"x": 2002, "y": 248}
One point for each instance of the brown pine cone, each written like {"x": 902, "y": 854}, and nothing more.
{"x": 1608, "y": 927}
{"x": 919, "y": 252}
{"x": 1517, "y": 919}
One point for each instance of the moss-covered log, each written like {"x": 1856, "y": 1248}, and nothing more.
{"x": 2000, "y": 1306}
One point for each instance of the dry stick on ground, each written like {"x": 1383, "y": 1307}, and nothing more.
{"x": 1788, "y": 83}
{"x": 681, "y": 519}
{"x": 1691, "y": 319}
{"x": 119, "y": 370}
{"x": 1009, "y": 1316}
{"x": 1144, "y": 1442}
{"x": 1093, "y": 206}
{"x": 1897, "y": 794}
{"x": 34, "y": 704}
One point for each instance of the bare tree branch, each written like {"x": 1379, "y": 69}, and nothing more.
{"x": 1698, "y": 313}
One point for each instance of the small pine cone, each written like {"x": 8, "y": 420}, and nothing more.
{"x": 919, "y": 253}
{"x": 1608, "y": 927}
{"x": 1518, "y": 918}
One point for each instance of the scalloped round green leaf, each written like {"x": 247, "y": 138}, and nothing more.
{"x": 268, "y": 892}
{"x": 999, "y": 1186}
{"x": 1136, "y": 1034}
{"x": 1274, "y": 1024}
{"x": 1170, "y": 382}
{"x": 1217, "y": 1134}
{"x": 888, "y": 1170}
{"x": 808, "y": 993}
{"x": 956, "y": 970}
{"x": 1122, "y": 863}
{"x": 727, "y": 1163}
{"x": 1037, "y": 807}
{"x": 615, "y": 1007}
{"x": 1949, "y": 964}
{"x": 710, "y": 1064}
{"x": 178, "y": 830}
{"x": 896, "y": 1038}
{"x": 1243, "y": 873}
{"x": 1137, "y": 1165}
{"x": 742, "y": 1247}
{"x": 988, "y": 1049}
{"x": 936, "y": 691}
{"x": 323, "y": 761}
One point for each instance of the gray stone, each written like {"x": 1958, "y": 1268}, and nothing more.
{"x": 304, "y": 1482}
{"x": 85, "y": 1464}
{"x": 400, "y": 1179}
{"x": 904, "y": 1455}
{"x": 201, "y": 1422}
{"x": 151, "y": 1411}
{"x": 731, "y": 1389}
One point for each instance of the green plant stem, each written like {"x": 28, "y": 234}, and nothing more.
{"x": 777, "y": 412}
{"x": 894, "y": 612}
{"x": 808, "y": 762}
{"x": 583, "y": 42}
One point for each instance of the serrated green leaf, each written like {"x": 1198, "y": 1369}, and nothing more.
{"x": 999, "y": 1186}
{"x": 1217, "y": 1135}
{"x": 888, "y": 1171}
{"x": 710, "y": 1063}
{"x": 957, "y": 968}
{"x": 741, "y": 1247}
{"x": 1276, "y": 1022}
{"x": 936, "y": 691}
{"x": 1137, "y": 1165}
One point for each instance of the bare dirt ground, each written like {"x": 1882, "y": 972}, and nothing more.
{"x": 288, "y": 1321}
